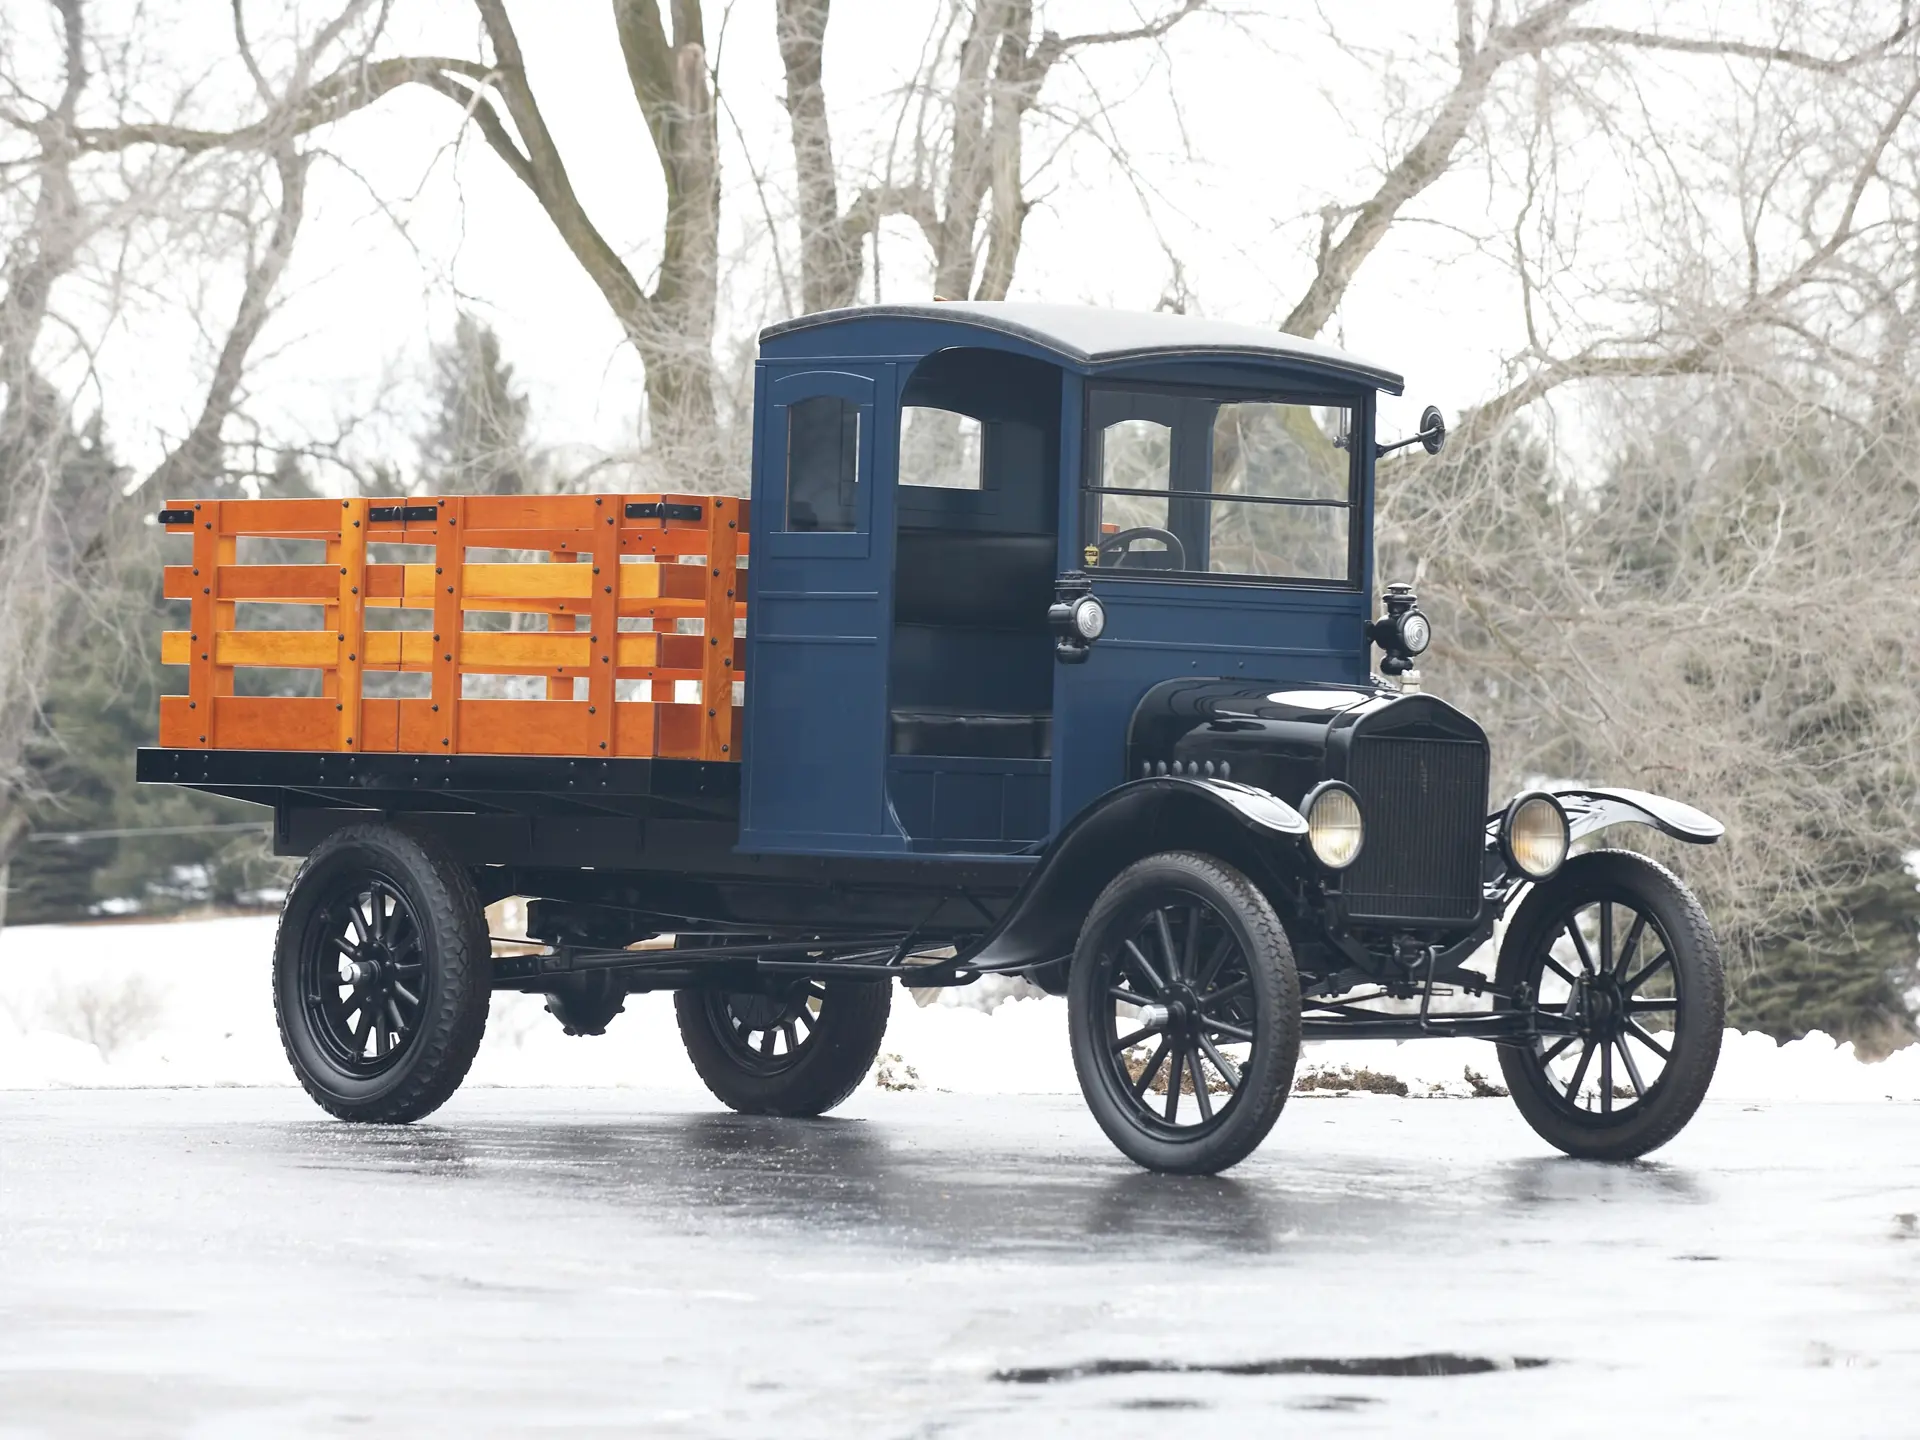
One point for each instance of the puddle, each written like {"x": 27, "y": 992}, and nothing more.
{"x": 1358, "y": 1366}
{"x": 1169, "y": 1403}
{"x": 1334, "y": 1402}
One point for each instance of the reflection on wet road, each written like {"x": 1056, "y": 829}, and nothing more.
{"x": 221, "y": 1262}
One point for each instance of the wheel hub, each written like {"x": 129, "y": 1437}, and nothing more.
{"x": 1599, "y": 1006}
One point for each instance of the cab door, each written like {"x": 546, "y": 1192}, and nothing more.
{"x": 819, "y": 613}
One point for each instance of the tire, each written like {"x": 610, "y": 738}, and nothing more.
{"x": 419, "y": 960}
{"x": 820, "y": 1038}
{"x": 585, "y": 1003}
{"x": 1599, "y": 910}
{"x": 1194, "y": 939}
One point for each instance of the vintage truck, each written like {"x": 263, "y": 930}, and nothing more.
{"x": 1043, "y": 647}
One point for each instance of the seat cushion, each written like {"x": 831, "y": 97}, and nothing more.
{"x": 989, "y": 737}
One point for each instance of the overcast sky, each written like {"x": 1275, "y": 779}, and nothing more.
{"x": 1235, "y": 132}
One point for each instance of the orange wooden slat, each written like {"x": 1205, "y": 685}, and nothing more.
{"x": 282, "y": 519}
{"x": 524, "y": 727}
{"x": 254, "y": 722}
{"x": 488, "y": 652}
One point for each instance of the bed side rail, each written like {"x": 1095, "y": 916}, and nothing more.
{"x": 587, "y": 597}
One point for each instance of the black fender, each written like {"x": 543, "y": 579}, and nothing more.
{"x": 1248, "y": 828}
{"x": 1589, "y": 810}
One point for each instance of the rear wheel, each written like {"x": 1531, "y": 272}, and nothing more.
{"x": 1623, "y": 975}
{"x": 382, "y": 972}
{"x": 1184, "y": 1010}
{"x": 798, "y": 1047}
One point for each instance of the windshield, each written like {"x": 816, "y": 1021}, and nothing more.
{"x": 1250, "y": 488}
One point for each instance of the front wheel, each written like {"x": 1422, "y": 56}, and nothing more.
{"x": 1621, "y": 971}
{"x": 1184, "y": 1009}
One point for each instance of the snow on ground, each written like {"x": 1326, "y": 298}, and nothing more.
{"x": 189, "y": 1003}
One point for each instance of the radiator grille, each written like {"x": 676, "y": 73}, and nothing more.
{"x": 1425, "y": 805}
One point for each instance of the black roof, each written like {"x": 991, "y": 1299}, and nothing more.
{"x": 1089, "y": 335}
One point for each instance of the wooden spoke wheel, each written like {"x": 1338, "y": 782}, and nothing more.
{"x": 382, "y": 974}
{"x": 1623, "y": 976}
{"x": 796, "y": 1048}
{"x": 1184, "y": 1009}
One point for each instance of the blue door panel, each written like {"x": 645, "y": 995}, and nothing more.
{"x": 818, "y": 616}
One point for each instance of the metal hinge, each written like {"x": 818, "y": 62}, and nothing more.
{"x": 661, "y": 510}
{"x": 176, "y": 517}
{"x": 379, "y": 513}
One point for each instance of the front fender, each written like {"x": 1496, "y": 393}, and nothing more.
{"x": 1245, "y": 827}
{"x": 1589, "y": 810}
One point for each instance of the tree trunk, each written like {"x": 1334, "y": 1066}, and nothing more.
{"x": 829, "y": 248}
{"x": 674, "y": 333}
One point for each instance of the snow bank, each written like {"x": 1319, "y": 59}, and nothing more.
{"x": 189, "y": 1003}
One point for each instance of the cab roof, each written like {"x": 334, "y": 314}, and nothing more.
{"x": 1090, "y": 337}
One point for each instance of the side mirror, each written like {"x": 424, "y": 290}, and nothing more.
{"x": 1432, "y": 434}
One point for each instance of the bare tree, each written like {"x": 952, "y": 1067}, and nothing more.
{"x": 58, "y": 517}
{"x": 671, "y": 325}
{"x": 1711, "y": 589}
{"x": 966, "y": 187}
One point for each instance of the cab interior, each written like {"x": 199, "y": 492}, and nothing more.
{"x": 970, "y": 683}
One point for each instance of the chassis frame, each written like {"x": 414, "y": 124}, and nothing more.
{"x": 599, "y": 843}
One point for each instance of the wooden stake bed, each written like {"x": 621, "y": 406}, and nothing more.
{"x": 608, "y": 583}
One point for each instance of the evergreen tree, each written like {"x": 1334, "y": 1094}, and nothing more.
{"x": 1847, "y": 970}
{"x": 100, "y": 705}
{"x": 477, "y": 443}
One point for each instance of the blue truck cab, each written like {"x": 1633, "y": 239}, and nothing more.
{"x": 924, "y": 476}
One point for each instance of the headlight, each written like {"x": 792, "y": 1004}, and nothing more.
{"x": 1416, "y": 633}
{"x": 1089, "y": 618}
{"x": 1534, "y": 835}
{"x": 1335, "y": 830}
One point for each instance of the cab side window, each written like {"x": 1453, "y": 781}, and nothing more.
{"x": 823, "y": 464}
{"x": 939, "y": 448}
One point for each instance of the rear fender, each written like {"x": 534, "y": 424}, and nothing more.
{"x": 1247, "y": 828}
{"x": 1589, "y": 810}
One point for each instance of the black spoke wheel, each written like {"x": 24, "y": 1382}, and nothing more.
{"x": 382, "y": 974}
{"x": 1622, "y": 974}
{"x": 1184, "y": 1010}
{"x": 796, "y": 1047}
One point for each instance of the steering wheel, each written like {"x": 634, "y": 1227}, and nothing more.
{"x": 1120, "y": 541}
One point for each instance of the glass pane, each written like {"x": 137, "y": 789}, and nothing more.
{"x": 1299, "y": 542}
{"x": 1285, "y": 452}
{"x": 1137, "y": 455}
{"x": 940, "y": 448}
{"x": 823, "y": 463}
{"x": 1117, "y": 549}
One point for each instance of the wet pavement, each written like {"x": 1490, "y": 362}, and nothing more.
{"x": 229, "y": 1263}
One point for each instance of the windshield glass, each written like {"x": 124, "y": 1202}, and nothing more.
{"x": 1184, "y": 486}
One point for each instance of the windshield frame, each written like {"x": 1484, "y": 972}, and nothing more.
{"x": 1089, "y": 489}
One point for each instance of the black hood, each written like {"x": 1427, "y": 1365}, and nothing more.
{"x": 1284, "y": 739}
